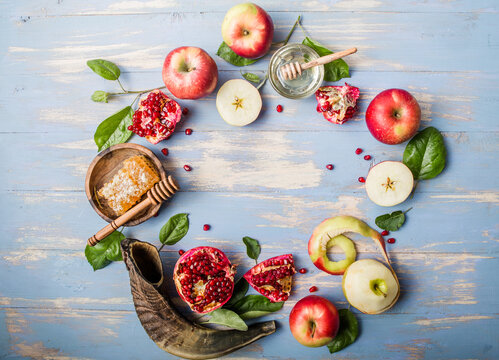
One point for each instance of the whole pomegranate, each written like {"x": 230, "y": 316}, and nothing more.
{"x": 204, "y": 278}
{"x": 156, "y": 117}
{"x": 272, "y": 278}
{"x": 337, "y": 103}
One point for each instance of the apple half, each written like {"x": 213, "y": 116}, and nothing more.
{"x": 329, "y": 233}
{"x": 389, "y": 183}
{"x": 238, "y": 102}
{"x": 370, "y": 287}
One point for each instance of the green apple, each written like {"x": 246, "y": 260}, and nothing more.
{"x": 329, "y": 233}
{"x": 370, "y": 286}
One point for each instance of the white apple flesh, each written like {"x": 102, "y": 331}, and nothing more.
{"x": 370, "y": 286}
{"x": 389, "y": 183}
{"x": 238, "y": 102}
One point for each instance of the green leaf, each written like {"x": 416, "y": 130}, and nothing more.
{"x": 100, "y": 96}
{"x": 114, "y": 130}
{"x": 335, "y": 70}
{"x": 104, "y": 68}
{"x": 253, "y": 306}
{"x": 105, "y": 251}
{"x": 226, "y": 53}
{"x": 252, "y": 247}
{"x": 391, "y": 222}
{"x": 348, "y": 332}
{"x": 425, "y": 154}
{"x": 240, "y": 289}
{"x": 174, "y": 230}
{"x": 227, "y": 318}
{"x": 251, "y": 77}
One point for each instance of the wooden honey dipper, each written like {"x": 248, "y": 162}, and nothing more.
{"x": 160, "y": 192}
{"x": 292, "y": 70}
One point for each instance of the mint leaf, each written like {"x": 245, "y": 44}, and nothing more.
{"x": 252, "y": 247}
{"x": 174, "y": 230}
{"x": 391, "y": 222}
{"x": 425, "y": 154}
{"x": 251, "y": 77}
{"x": 105, "y": 251}
{"x": 114, "y": 130}
{"x": 226, "y": 53}
{"x": 104, "y": 68}
{"x": 100, "y": 96}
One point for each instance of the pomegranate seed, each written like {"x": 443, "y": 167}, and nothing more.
{"x": 318, "y": 108}
{"x": 358, "y": 151}
{"x": 303, "y": 271}
{"x": 206, "y": 227}
{"x": 313, "y": 289}
{"x": 367, "y": 157}
{"x": 279, "y": 108}
{"x": 187, "y": 168}
{"x": 185, "y": 111}
{"x": 130, "y": 127}
{"x": 384, "y": 232}
{"x": 329, "y": 166}
{"x": 391, "y": 241}
{"x": 164, "y": 151}
{"x": 188, "y": 131}
{"x": 362, "y": 180}
{"x": 181, "y": 252}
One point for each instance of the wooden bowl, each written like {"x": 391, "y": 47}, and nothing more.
{"x": 103, "y": 168}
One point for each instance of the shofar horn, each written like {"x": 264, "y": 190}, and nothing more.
{"x": 164, "y": 325}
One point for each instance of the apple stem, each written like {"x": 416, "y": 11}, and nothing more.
{"x": 263, "y": 82}
{"x": 121, "y": 86}
{"x": 161, "y": 247}
{"x": 405, "y": 212}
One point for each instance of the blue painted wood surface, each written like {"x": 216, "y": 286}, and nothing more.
{"x": 267, "y": 180}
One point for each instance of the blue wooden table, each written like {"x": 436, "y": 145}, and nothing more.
{"x": 267, "y": 180}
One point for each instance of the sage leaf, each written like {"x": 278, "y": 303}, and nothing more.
{"x": 240, "y": 289}
{"x": 104, "y": 68}
{"x": 253, "y": 306}
{"x": 226, "y": 53}
{"x": 174, "y": 230}
{"x": 254, "y": 78}
{"x": 347, "y": 333}
{"x": 252, "y": 247}
{"x": 335, "y": 70}
{"x": 425, "y": 154}
{"x": 100, "y": 96}
{"x": 105, "y": 251}
{"x": 393, "y": 221}
{"x": 227, "y": 318}
{"x": 114, "y": 130}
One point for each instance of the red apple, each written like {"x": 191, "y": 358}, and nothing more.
{"x": 393, "y": 116}
{"x": 248, "y": 30}
{"x": 314, "y": 321}
{"x": 190, "y": 73}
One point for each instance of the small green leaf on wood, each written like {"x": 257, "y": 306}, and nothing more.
{"x": 252, "y": 247}
{"x": 174, "y": 230}
{"x": 226, "y": 53}
{"x": 392, "y": 221}
{"x": 333, "y": 71}
{"x": 347, "y": 333}
{"x": 227, "y": 318}
{"x": 254, "y": 78}
{"x": 104, "y": 68}
{"x": 105, "y": 251}
{"x": 114, "y": 130}
{"x": 253, "y": 306}
{"x": 100, "y": 96}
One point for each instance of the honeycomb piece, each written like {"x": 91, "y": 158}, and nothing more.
{"x": 132, "y": 181}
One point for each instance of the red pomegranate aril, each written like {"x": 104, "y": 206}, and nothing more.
{"x": 362, "y": 180}
{"x": 187, "y": 168}
{"x": 303, "y": 271}
{"x": 279, "y": 108}
{"x": 391, "y": 241}
{"x": 367, "y": 157}
{"x": 130, "y": 127}
{"x": 385, "y": 232}
{"x": 358, "y": 151}
{"x": 329, "y": 166}
{"x": 206, "y": 227}
{"x": 181, "y": 252}
{"x": 313, "y": 289}
{"x": 188, "y": 131}
{"x": 318, "y": 108}
{"x": 185, "y": 111}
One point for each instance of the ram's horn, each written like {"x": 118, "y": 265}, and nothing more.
{"x": 164, "y": 325}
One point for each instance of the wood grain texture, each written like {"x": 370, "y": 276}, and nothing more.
{"x": 267, "y": 180}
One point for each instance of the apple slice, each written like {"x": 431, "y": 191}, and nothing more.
{"x": 389, "y": 183}
{"x": 238, "y": 102}
{"x": 370, "y": 286}
{"x": 321, "y": 260}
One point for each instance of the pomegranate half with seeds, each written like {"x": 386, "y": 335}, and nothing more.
{"x": 204, "y": 278}
{"x": 337, "y": 103}
{"x": 156, "y": 117}
{"x": 272, "y": 278}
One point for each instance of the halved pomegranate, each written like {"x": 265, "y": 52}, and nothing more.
{"x": 204, "y": 278}
{"x": 337, "y": 103}
{"x": 272, "y": 278}
{"x": 156, "y": 117}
